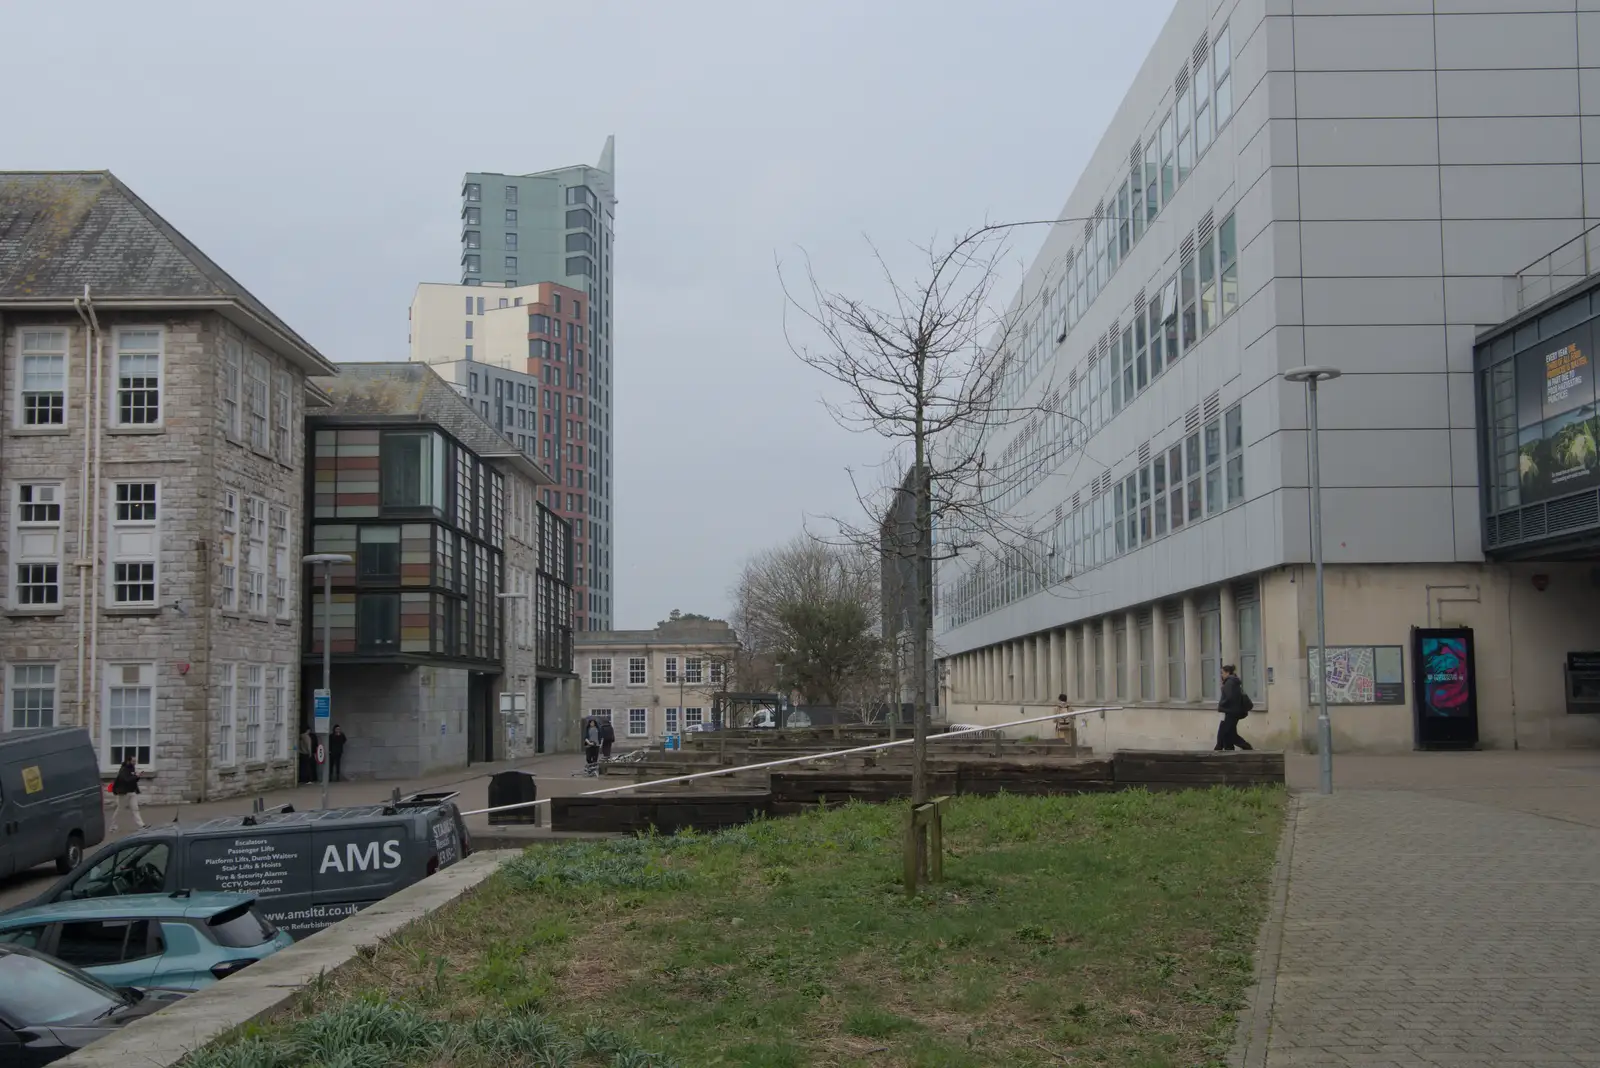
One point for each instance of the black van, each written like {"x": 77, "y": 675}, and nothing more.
{"x": 52, "y": 805}
{"x": 308, "y": 870}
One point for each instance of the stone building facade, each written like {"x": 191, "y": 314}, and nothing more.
{"x": 654, "y": 683}
{"x": 152, "y": 479}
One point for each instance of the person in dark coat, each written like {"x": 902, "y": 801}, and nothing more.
{"x": 1234, "y": 704}
{"x": 336, "y": 742}
{"x": 591, "y": 741}
{"x": 608, "y": 738}
{"x": 125, "y": 789}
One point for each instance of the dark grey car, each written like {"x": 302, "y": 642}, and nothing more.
{"x": 307, "y": 870}
{"x": 51, "y": 800}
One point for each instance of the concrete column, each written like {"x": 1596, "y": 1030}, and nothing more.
{"x": 1230, "y": 626}
{"x": 1025, "y": 687}
{"x": 1108, "y": 653}
{"x": 1158, "y": 652}
{"x": 1072, "y": 664}
{"x": 985, "y": 674}
{"x": 1130, "y": 638}
{"x": 1053, "y": 682}
{"x": 1091, "y": 637}
{"x": 1013, "y": 672}
{"x": 1191, "y": 648}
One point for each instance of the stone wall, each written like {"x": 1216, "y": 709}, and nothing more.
{"x": 402, "y": 721}
{"x": 177, "y": 646}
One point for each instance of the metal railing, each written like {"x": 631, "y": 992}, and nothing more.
{"x": 1567, "y": 265}
{"x": 808, "y": 757}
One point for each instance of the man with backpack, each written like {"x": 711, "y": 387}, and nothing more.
{"x": 1234, "y": 704}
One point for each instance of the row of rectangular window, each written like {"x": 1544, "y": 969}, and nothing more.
{"x": 252, "y": 714}
{"x": 254, "y": 532}
{"x": 473, "y": 193}
{"x": 133, "y": 545}
{"x": 1183, "y": 311}
{"x": 127, "y": 728}
{"x": 44, "y": 376}
{"x": 638, "y": 725}
{"x": 256, "y": 411}
{"x": 1182, "y": 136}
{"x": 695, "y": 670}
{"x": 473, "y": 216}
{"x": 1197, "y": 477}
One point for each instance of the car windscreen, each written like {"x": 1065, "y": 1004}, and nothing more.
{"x": 241, "y": 927}
{"x": 37, "y": 993}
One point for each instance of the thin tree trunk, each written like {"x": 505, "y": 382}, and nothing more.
{"x": 922, "y": 625}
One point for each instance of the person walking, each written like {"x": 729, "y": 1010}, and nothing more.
{"x": 591, "y": 741}
{"x": 1234, "y": 704}
{"x": 608, "y": 738}
{"x": 307, "y": 766}
{"x": 336, "y": 742}
{"x": 125, "y": 789}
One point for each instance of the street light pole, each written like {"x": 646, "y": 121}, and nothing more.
{"x": 1310, "y": 377}
{"x": 327, "y": 560}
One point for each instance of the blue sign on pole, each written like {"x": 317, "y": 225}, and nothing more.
{"x": 322, "y": 713}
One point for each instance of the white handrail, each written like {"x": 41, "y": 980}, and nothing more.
{"x": 804, "y": 759}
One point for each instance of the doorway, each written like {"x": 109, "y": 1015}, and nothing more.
{"x": 480, "y": 718}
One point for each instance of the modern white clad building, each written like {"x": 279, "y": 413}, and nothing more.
{"x": 1355, "y": 185}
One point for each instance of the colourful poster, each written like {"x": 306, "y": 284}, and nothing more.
{"x": 1446, "y": 679}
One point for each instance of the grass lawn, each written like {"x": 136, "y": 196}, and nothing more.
{"x": 1108, "y": 929}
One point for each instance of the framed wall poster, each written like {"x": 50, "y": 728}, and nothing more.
{"x": 1445, "y": 688}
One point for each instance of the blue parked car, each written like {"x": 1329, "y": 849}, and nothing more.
{"x": 181, "y": 941}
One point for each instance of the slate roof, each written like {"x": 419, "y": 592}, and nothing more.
{"x": 63, "y": 230}
{"x": 414, "y": 392}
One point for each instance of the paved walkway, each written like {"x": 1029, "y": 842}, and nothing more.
{"x": 1438, "y": 909}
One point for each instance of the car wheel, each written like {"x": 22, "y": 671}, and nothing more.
{"x": 73, "y": 856}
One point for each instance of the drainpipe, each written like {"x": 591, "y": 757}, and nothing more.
{"x": 1427, "y": 599}
{"x": 94, "y": 425}
{"x": 85, "y": 309}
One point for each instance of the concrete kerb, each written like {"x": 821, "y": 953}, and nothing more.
{"x": 266, "y": 988}
{"x": 1253, "y": 1032}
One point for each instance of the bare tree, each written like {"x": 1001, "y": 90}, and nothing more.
{"x": 951, "y": 382}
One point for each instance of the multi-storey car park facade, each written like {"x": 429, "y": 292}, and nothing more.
{"x": 556, "y": 226}
{"x": 1278, "y": 189}
{"x": 520, "y": 356}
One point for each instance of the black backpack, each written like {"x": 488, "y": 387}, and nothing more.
{"x": 1245, "y": 704}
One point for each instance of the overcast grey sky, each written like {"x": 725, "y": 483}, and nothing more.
{"x": 315, "y": 150}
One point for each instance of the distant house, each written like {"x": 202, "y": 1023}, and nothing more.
{"x": 153, "y": 476}
{"x": 651, "y": 683}
{"x": 452, "y": 628}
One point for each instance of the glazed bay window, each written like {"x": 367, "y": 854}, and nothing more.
{"x": 1228, "y": 267}
{"x": 130, "y": 702}
{"x": 135, "y": 543}
{"x": 378, "y": 622}
{"x": 411, "y": 471}
{"x": 138, "y": 401}
{"x": 378, "y": 553}
{"x": 1233, "y": 442}
{"x": 36, "y": 546}
{"x": 42, "y": 392}
{"x": 599, "y": 671}
{"x": 638, "y": 722}
{"x": 31, "y": 697}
